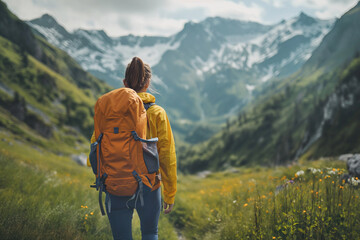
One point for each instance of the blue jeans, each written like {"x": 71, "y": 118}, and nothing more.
{"x": 120, "y": 214}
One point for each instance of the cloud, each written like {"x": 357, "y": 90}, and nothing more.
{"x": 222, "y": 8}
{"x": 139, "y": 17}
{"x": 326, "y": 9}
{"x": 165, "y": 17}
{"x": 102, "y": 6}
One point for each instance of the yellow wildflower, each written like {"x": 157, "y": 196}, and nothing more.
{"x": 245, "y": 205}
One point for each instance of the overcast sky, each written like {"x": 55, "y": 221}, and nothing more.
{"x": 166, "y": 17}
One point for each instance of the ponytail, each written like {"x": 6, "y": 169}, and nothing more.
{"x": 135, "y": 74}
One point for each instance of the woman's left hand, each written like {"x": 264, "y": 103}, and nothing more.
{"x": 168, "y": 208}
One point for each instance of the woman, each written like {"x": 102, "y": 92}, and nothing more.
{"x": 120, "y": 209}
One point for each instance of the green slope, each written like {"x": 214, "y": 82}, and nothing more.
{"x": 297, "y": 117}
{"x": 43, "y": 87}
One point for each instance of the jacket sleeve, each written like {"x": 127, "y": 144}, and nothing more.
{"x": 93, "y": 139}
{"x": 167, "y": 157}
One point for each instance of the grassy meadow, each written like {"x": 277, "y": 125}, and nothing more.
{"x": 47, "y": 196}
{"x": 305, "y": 201}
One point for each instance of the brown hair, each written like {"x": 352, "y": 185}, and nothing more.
{"x": 137, "y": 74}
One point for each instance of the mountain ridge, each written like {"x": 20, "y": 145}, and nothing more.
{"x": 311, "y": 114}
{"x": 214, "y": 57}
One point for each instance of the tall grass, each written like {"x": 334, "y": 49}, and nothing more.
{"x": 270, "y": 204}
{"x": 46, "y": 196}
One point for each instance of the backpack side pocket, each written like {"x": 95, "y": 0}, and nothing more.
{"x": 150, "y": 153}
{"x": 151, "y": 156}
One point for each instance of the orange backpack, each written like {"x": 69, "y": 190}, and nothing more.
{"x": 121, "y": 158}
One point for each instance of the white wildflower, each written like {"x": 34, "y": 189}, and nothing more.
{"x": 315, "y": 170}
{"x": 354, "y": 181}
{"x": 234, "y": 201}
{"x": 299, "y": 173}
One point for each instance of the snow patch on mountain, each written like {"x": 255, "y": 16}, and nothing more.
{"x": 150, "y": 54}
{"x": 53, "y": 36}
{"x": 250, "y": 88}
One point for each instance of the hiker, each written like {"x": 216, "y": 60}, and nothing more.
{"x": 120, "y": 208}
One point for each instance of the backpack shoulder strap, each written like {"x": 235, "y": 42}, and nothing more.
{"x": 148, "y": 105}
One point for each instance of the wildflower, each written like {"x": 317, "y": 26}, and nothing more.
{"x": 234, "y": 201}
{"x": 86, "y": 206}
{"x": 267, "y": 211}
{"x": 82, "y": 206}
{"x": 332, "y": 182}
{"x": 339, "y": 204}
{"x": 91, "y": 213}
{"x": 354, "y": 181}
{"x": 86, "y": 215}
{"x": 274, "y": 237}
{"x": 319, "y": 207}
{"x": 85, "y": 218}
{"x": 304, "y": 211}
{"x": 312, "y": 191}
{"x": 317, "y": 193}
{"x": 299, "y": 173}
{"x": 245, "y": 205}
{"x": 341, "y": 187}
{"x": 320, "y": 180}
{"x": 283, "y": 178}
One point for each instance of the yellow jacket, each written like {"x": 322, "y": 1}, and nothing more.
{"x": 159, "y": 126}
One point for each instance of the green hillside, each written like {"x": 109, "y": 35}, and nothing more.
{"x": 311, "y": 114}
{"x": 43, "y": 87}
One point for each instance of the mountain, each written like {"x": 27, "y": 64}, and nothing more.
{"x": 206, "y": 72}
{"x": 312, "y": 113}
{"x": 46, "y": 98}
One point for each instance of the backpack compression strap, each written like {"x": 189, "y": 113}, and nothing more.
{"x": 100, "y": 180}
{"x": 148, "y": 105}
